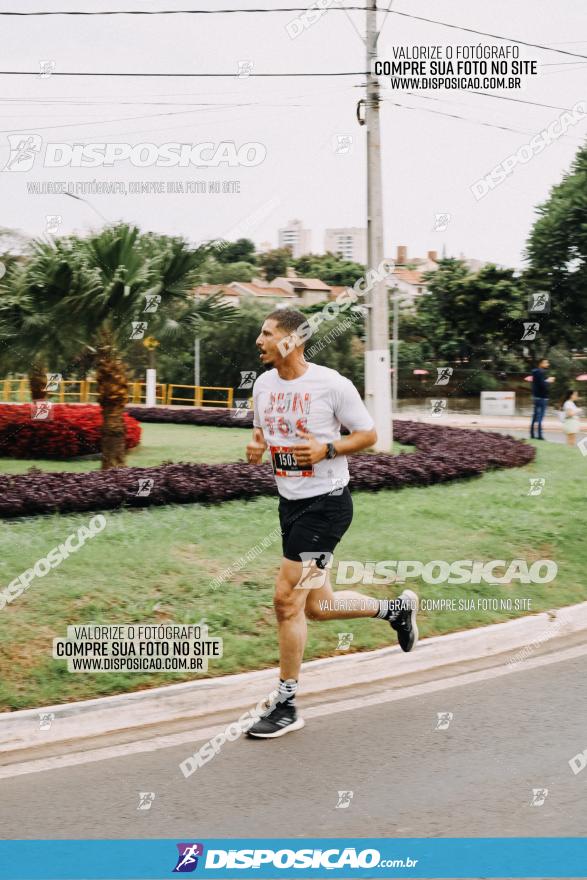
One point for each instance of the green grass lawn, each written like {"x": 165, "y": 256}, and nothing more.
{"x": 157, "y": 564}
{"x": 159, "y": 443}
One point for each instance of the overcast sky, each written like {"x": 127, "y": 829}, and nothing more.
{"x": 430, "y": 161}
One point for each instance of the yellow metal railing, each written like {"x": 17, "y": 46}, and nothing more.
{"x": 198, "y": 398}
{"x": 62, "y": 393}
{"x": 14, "y": 390}
{"x": 86, "y": 391}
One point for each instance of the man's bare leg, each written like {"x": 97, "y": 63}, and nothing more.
{"x": 293, "y": 604}
{"x": 291, "y": 618}
{"x": 324, "y": 604}
{"x": 292, "y": 627}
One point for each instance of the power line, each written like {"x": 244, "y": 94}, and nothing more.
{"x": 387, "y": 11}
{"x": 463, "y": 118}
{"x": 173, "y": 75}
{"x": 459, "y": 27}
{"x": 505, "y": 98}
{"x": 176, "y": 11}
{"x": 107, "y": 121}
{"x": 108, "y": 100}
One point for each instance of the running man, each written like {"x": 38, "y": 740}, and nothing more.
{"x": 299, "y": 408}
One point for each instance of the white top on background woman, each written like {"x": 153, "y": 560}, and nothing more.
{"x": 570, "y": 413}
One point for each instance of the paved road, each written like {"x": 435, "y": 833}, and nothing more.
{"x": 509, "y": 735}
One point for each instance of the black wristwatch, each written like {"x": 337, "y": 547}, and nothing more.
{"x": 330, "y": 451}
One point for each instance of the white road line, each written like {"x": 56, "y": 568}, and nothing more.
{"x": 58, "y": 762}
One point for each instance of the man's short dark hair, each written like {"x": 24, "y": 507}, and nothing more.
{"x": 289, "y": 320}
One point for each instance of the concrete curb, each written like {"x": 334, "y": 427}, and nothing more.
{"x": 75, "y": 722}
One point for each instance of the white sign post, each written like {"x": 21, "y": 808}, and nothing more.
{"x": 498, "y": 403}
{"x": 151, "y": 395}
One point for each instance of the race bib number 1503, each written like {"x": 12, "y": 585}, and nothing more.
{"x": 285, "y": 464}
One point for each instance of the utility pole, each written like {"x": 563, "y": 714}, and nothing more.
{"x": 395, "y": 346}
{"x": 377, "y": 365}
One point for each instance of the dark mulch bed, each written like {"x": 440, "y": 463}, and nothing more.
{"x": 210, "y": 417}
{"x": 441, "y": 454}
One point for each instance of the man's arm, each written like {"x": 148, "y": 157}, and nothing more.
{"x": 256, "y": 447}
{"x": 312, "y": 451}
{"x": 355, "y": 442}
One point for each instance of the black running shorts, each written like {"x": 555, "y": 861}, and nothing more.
{"x": 317, "y": 524}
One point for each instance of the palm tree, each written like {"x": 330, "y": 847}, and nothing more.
{"x": 28, "y": 341}
{"x": 103, "y": 291}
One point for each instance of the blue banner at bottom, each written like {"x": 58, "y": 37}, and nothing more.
{"x": 273, "y": 858}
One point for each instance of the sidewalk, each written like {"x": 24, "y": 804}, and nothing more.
{"x": 193, "y": 704}
{"x": 552, "y": 424}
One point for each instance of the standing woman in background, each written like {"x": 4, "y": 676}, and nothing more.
{"x": 570, "y": 416}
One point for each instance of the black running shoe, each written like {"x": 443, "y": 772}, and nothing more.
{"x": 404, "y": 623}
{"x": 280, "y": 718}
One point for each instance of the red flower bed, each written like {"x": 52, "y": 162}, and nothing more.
{"x": 69, "y": 431}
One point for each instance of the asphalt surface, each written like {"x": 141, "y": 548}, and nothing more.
{"x": 508, "y": 736}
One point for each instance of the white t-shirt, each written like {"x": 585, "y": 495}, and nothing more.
{"x": 570, "y": 409}
{"x": 319, "y": 402}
